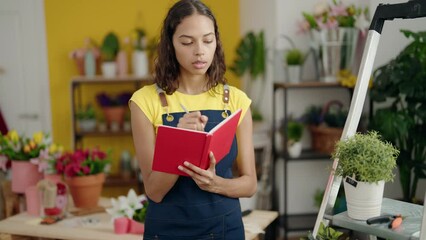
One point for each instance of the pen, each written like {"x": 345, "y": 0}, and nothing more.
{"x": 184, "y": 108}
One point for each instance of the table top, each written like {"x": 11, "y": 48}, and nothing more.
{"x": 409, "y": 229}
{"x": 99, "y": 226}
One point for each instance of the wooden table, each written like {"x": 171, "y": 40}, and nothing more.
{"x": 99, "y": 226}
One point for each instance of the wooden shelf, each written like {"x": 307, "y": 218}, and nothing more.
{"x": 308, "y": 84}
{"x": 119, "y": 181}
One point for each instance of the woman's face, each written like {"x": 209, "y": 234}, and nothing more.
{"x": 195, "y": 44}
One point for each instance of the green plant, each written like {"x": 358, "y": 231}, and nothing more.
{"x": 326, "y": 233}
{"x": 366, "y": 158}
{"x": 86, "y": 113}
{"x": 250, "y": 58}
{"x": 110, "y": 47}
{"x": 401, "y": 82}
{"x": 293, "y": 56}
{"x": 139, "y": 39}
{"x": 294, "y": 130}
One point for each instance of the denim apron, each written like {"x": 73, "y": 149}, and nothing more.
{"x": 189, "y": 213}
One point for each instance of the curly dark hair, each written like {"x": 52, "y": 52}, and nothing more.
{"x": 166, "y": 64}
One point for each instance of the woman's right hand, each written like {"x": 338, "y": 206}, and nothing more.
{"x": 193, "y": 121}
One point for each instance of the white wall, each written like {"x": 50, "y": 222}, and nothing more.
{"x": 277, "y": 17}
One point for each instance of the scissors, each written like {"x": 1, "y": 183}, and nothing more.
{"x": 393, "y": 221}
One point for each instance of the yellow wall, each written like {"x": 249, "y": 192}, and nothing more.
{"x": 69, "y": 22}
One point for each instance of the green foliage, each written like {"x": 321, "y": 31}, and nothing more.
{"x": 250, "y": 55}
{"x": 294, "y": 57}
{"x": 326, "y": 233}
{"x": 86, "y": 113}
{"x": 140, "y": 213}
{"x": 295, "y": 130}
{"x": 256, "y": 115}
{"x": 402, "y": 83}
{"x": 366, "y": 158}
{"x": 110, "y": 47}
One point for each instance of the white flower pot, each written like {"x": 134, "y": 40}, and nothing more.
{"x": 365, "y": 200}
{"x": 294, "y": 73}
{"x": 109, "y": 69}
{"x": 87, "y": 125}
{"x": 140, "y": 63}
{"x": 294, "y": 149}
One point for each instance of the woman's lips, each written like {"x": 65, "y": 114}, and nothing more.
{"x": 199, "y": 64}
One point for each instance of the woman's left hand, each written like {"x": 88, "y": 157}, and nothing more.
{"x": 205, "y": 179}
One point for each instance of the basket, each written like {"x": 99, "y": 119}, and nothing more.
{"x": 323, "y": 137}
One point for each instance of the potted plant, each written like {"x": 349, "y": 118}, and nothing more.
{"x": 114, "y": 108}
{"x": 294, "y": 130}
{"x": 86, "y": 118}
{"x": 250, "y": 59}
{"x": 366, "y": 162}
{"x": 109, "y": 50}
{"x": 294, "y": 59}
{"x": 84, "y": 173}
{"x": 140, "y": 55}
{"x": 402, "y": 121}
{"x": 325, "y": 124}
{"x": 128, "y": 213}
{"x": 28, "y": 157}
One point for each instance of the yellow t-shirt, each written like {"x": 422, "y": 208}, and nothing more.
{"x": 148, "y": 101}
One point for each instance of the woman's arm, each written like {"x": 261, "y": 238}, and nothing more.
{"x": 243, "y": 186}
{"x": 156, "y": 184}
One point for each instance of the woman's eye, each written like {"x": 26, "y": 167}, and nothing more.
{"x": 186, "y": 43}
{"x": 208, "y": 41}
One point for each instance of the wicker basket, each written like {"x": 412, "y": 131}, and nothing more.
{"x": 324, "y": 138}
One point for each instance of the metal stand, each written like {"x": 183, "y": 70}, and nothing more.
{"x": 408, "y": 10}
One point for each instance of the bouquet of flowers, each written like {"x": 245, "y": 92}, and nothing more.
{"x": 132, "y": 209}
{"x": 331, "y": 16}
{"x": 82, "y": 162}
{"x": 39, "y": 150}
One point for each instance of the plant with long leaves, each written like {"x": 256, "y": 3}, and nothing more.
{"x": 402, "y": 83}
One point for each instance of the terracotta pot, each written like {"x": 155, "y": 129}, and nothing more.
{"x": 24, "y": 175}
{"x": 114, "y": 114}
{"x": 86, "y": 190}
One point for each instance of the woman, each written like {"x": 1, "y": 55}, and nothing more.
{"x": 189, "y": 76}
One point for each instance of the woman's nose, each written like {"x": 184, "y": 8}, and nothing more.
{"x": 199, "y": 50}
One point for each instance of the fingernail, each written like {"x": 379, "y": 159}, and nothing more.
{"x": 180, "y": 167}
{"x": 185, "y": 163}
{"x": 211, "y": 154}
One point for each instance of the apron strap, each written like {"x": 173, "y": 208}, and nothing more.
{"x": 164, "y": 103}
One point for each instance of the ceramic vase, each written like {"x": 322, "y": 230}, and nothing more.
{"x": 24, "y": 175}
{"x": 140, "y": 63}
{"x": 86, "y": 190}
{"x": 136, "y": 227}
{"x": 294, "y": 73}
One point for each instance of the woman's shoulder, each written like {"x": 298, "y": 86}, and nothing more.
{"x": 145, "y": 91}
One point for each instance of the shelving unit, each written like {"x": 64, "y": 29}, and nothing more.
{"x": 294, "y": 222}
{"x": 78, "y": 136}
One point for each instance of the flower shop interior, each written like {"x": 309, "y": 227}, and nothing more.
{"x": 74, "y": 64}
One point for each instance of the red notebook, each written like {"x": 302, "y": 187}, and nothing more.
{"x": 175, "y": 145}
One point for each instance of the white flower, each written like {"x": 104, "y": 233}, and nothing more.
{"x": 126, "y": 206}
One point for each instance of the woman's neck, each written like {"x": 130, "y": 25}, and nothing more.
{"x": 192, "y": 85}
